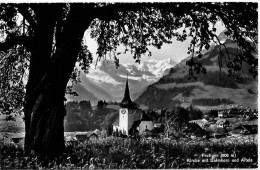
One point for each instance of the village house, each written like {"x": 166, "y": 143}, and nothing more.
{"x": 17, "y": 139}
{"x": 203, "y": 123}
{"x": 88, "y": 136}
{"x": 93, "y": 137}
{"x": 222, "y": 123}
{"x": 244, "y": 130}
{"x": 81, "y": 137}
{"x": 255, "y": 114}
{"x": 157, "y": 124}
{"x": 224, "y": 113}
{"x": 194, "y": 130}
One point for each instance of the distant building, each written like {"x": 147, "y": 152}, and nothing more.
{"x": 17, "y": 139}
{"x": 81, "y": 137}
{"x": 130, "y": 116}
{"x": 220, "y": 113}
{"x": 194, "y": 130}
{"x": 245, "y": 129}
{"x": 88, "y": 136}
{"x": 157, "y": 125}
{"x": 93, "y": 137}
{"x": 203, "y": 123}
{"x": 223, "y": 113}
{"x": 222, "y": 123}
{"x": 143, "y": 124}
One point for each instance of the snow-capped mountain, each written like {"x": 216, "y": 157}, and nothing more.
{"x": 106, "y": 82}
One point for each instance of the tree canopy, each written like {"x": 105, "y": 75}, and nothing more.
{"x": 136, "y": 26}
{"x": 44, "y": 41}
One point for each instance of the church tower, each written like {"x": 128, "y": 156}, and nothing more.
{"x": 127, "y": 107}
{"x": 131, "y": 120}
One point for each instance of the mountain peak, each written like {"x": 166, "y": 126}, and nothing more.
{"x": 111, "y": 80}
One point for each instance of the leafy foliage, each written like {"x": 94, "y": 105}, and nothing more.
{"x": 194, "y": 113}
{"x": 136, "y": 26}
{"x": 13, "y": 73}
{"x": 203, "y": 37}
{"x": 176, "y": 119}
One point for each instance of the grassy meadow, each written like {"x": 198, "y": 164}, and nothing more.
{"x": 125, "y": 153}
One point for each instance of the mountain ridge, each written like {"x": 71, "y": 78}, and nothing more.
{"x": 176, "y": 89}
{"x": 106, "y": 82}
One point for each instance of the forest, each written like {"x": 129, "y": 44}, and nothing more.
{"x": 211, "y": 101}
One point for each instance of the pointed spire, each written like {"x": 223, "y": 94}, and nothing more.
{"x": 127, "y": 92}
{"x": 127, "y": 102}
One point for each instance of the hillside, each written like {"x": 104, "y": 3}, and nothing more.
{"x": 106, "y": 82}
{"x": 176, "y": 89}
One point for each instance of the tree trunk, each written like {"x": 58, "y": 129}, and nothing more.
{"x": 45, "y": 91}
{"x": 46, "y": 126}
{"x": 39, "y": 64}
{"x": 45, "y": 105}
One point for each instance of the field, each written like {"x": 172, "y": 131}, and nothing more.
{"x": 145, "y": 153}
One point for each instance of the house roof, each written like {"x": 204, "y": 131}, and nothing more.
{"x": 222, "y": 121}
{"x": 145, "y": 117}
{"x": 237, "y": 131}
{"x": 93, "y": 135}
{"x": 135, "y": 124}
{"x": 81, "y": 137}
{"x": 199, "y": 121}
{"x": 250, "y": 128}
{"x": 196, "y": 129}
{"x": 204, "y": 120}
{"x": 85, "y": 136}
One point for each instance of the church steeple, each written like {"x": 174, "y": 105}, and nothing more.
{"x": 127, "y": 102}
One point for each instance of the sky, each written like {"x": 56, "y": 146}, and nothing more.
{"x": 177, "y": 51}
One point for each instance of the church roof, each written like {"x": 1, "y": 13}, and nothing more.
{"x": 145, "y": 117}
{"x": 127, "y": 102}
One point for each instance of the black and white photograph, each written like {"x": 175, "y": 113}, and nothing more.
{"x": 129, "y": 85}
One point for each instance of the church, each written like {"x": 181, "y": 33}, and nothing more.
{"x": 131, "y": 119}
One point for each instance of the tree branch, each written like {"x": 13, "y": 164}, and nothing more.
{"x": 23, "y": 9}
{"x": 110, "y": 11}
{"x": 14, "y": 40}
